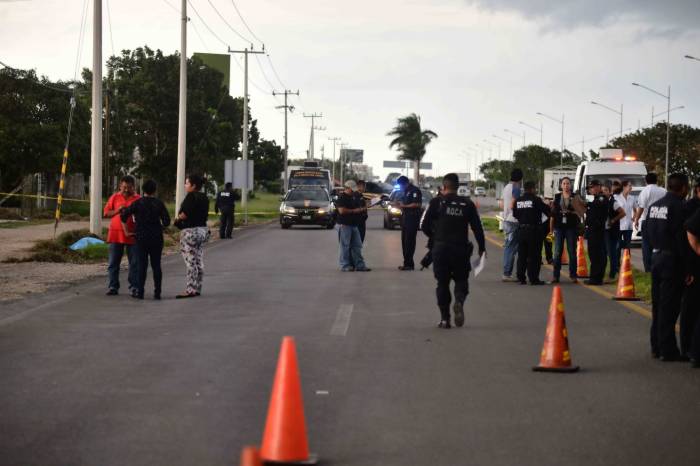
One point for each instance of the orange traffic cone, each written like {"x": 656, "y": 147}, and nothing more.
{"x": 625, "y": 284}
{"x": 565, "y": 256}
{"x": 581, "y": 264}
{"x": 555, "y": 355}
{"x": 284, "y": 440}
{"x": 250, "y": 456}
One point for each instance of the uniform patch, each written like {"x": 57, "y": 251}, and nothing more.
{"x": 657, "y": 212}
{"x": 524, "y": 204}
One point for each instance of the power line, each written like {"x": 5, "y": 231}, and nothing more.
{"x": 199, "y": 35}
{"x": 109, "y": 24}
{"x": 37, "y": 81}
{"x": 81, "y": 36}
{"x": 206, "y": 25}
{"x": 275, "y": 71}
{"x": 171, "y": 6}
{"x": 227, "y": 23}
{"x": 246, "y": 24}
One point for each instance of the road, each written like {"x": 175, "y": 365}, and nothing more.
{"x": 94, "y": 380}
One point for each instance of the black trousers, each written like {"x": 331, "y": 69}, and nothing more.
{"x": 149, "y": 250}
{"x": 363, "y": 229}
{"x": 226, "y": 224}
{"x": 666, "y": 292}
{"x": 409, "y": 230}
{"x": 690, "y": 320}
{"x": 596, "y": 254}
{"x": 547, "y": 244}
{"x": 529, "y": 253}
{"x": 450, "y": 263}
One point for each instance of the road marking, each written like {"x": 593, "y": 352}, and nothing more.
{"x": 342, "y": 320}
{"x": 28, "y": 312}
{"x": 322, "y": 392}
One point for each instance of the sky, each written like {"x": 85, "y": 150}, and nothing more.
{"x": 470, "y": 68}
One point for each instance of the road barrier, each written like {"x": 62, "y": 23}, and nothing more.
{"x": 250, "y": 456}
{"x": 555, "y": 356}
{"x": 581, "y": 264}
{"x": 625, "y": 284}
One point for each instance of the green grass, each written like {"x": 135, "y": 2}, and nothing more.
{"x": 57, "y": 250}
{"x": 642, "y": 284}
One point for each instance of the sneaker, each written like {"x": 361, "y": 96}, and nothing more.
{"x": 538, "y": 282}
{"x": 444, "y": 324}
{"x": 458, "y": 309}
{"x": 112, "y": 292}
{"x": 156, "y": 296}
{"x": 406, "y": 267}
{"x": 364, "y": 269}
{"x": 347, "y": 269}
{"x": 508, "y": 278}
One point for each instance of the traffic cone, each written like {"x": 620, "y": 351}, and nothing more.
{"x": 555, "y": 355}
{"x": 284, "y": 440}
{"x": 581, "y": 264}
{"x": 250, "y": 456}
{"x": 625, "y": 284}
{"x": 565, "y": 256}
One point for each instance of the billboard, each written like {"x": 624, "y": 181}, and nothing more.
{"x": 235, "y": 172}
{"x": 405, "y": 164}
{"x": 220, "y": 62}
{"x": 352, "y": 155}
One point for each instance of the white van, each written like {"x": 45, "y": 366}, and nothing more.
{"x": 611, "y": 165}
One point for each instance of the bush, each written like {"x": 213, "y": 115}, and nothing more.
{"x": 10, "y": 214}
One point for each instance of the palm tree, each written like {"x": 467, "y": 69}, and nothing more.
{"x": 410, "y": 140}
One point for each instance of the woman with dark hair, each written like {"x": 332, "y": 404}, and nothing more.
{"x": 192, "y": 220}
{"x": 564, "y": 224}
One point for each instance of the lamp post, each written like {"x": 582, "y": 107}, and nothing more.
{"x": 561, "y": 122}
{"x": 505, "y": 140}
{"x": 668, "y": 122}
{"x": 654, "y": 115}
{"x": 493, "y": 144}
{"x": 612, "y": 110}
{"x": 540, "y": 129}
{"x": 516, "y": 134}
{"x": 690, "y": 57}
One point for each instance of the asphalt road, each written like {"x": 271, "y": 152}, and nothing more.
{"x": 95, "y": 380}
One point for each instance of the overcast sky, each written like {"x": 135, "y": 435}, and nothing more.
{"x": 470, "y": 69}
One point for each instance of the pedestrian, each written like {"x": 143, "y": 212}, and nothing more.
{"x": 596, "y": 215}
{"x": 690, "y": 304}
{"x": 411, "y": 205}
{"x": 446, "y": 222}
{"x": 151, "y": 217}
{"x": 664, "y": 227}
{"x": 118, "y": 241}
{"x": 362, "y": 225}
{"x": 511, "y": 191}
{"x": 627, "y": 201}
{"x": 225, "y": 203}
{"x": 564, "y": 225}
{"x": 612, "y": 227}
{"x": 650, "y": 194}
{"x": 350, "y": 211}
{"x": 192, "y": 220}
{"x": 528, "y": 211}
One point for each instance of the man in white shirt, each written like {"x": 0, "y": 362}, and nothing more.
{"x": 628, "y": 203}
{"x": 510, "y": 224}
{"x": 649, "y": 195}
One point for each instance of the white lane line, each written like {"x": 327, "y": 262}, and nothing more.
{"x": 342, "y": 320}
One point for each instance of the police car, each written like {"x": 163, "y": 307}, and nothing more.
{"x": 392, "y": 215}
{"x": 307, "y": 205}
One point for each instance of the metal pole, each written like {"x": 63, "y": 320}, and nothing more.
{"x": 561, "y": 154}
{"x": 668, "y": 133}
{"x": 541, "y": 133}
{"x": 182, "y": 113}
{"x": 244, "y": 193}
{"x": 286, "y": 145}
{"x": 96, "y": 138}
{"x": 621, "y": 119}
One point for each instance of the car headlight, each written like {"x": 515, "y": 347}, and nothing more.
{"x": 394, "y": 210}
{"x": 321, "y": 211}
{"x": 288, "y": 209}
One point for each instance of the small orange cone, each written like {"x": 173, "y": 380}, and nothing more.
{"x": 625, "y": 284}
{"x": 555, "y": 355}
{"x": 565, "y": 256}
{"x": 250, "y": 456}
{"x": 581, "y": 264}
{"x": 284, "y": 440}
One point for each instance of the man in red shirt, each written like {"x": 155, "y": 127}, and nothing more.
{"x": 118, "y": 241}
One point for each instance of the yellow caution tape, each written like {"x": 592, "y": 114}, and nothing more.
{"x": 43, "y": 197}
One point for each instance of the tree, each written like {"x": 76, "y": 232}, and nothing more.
{"x": 410, "y": 140}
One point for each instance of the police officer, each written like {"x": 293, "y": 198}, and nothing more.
{"x": 664, "y": 225}
{"x": 692, "y": 225}
{"x": 411, "y": 203}
{"x": 446, "y": 222}
{"x": 528, "y": 210}
{"x": 596, "y": 216}
{"x": 225, "y": 201}
{"x": 362, "y": 220}
{"x": 690, "y": 310}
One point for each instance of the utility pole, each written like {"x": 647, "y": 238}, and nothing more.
{"x": 342, "y": 163}
{"x": 333, "y": 166}
{"x": 182, "y": 112}
{"x": 313, "y": 117}
{"x": 286, "y": 108}
{"x": 244, "y": 145}
{"x": 96, "y": 137}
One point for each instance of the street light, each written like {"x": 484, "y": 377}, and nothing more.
{"x": 516, "y": 134}
{"x": 533, "y": 127}
{"x": 493, "y": 144}
{"x": 668, "y": 121}
{"x": 612, "y": 110}
{"x": 661, "y": 113}
{"x": 561, "y": 122}
{"x": 690, "y": 57}
{"x": 505, "y": 140}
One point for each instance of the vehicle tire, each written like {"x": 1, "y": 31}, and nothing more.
{"x": 330, "y": 226}
{"x": 386, "y": 226}
{"x": 286, "y": 226}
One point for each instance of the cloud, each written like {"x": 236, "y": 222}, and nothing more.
{"x": 664, "y": 18}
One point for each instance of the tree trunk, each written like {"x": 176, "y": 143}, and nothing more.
{"x": 416, "y": 172}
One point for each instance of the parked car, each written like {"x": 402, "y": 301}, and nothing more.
{"x": 307, "y": 205}
{"x": 392, "y": 214}
{"x": 480, "y": 191}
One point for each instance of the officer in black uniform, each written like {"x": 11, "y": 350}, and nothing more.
{"x": 362, "y": 220}
{"x": 664, "y": 225}
{"x": 225, "y": 201}
{"x": 692, "y": 225}
{"x": 528, "y": 210}
{"x": 446, "y": 222}
{"x": 690, "y": 310}
{"x": 410, "y": 203}
{"x": 596, "y": 215}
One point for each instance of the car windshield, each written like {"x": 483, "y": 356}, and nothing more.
{"x": 637, "y": 180}
{"x": 307, "y": 195}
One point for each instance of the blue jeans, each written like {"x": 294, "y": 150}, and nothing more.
{"x": 116, "y": 252}
{"x": 510, "y": 247}
{"x": 569, "y": 235}
{"x": 350, "y": 247}
{"x": 612, "y": 247}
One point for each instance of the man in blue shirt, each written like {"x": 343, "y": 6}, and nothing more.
{"x": 411, "y": 205}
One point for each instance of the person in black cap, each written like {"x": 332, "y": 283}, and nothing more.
{"x": 528, "y": 211}
{"x": 596, "y": 215}
{"x": 225, "y": 202}
{"x": 446, "y": 222}
{"x": 410, "y": 204}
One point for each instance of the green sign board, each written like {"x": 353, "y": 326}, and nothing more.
{"x": 220, "y": 62}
